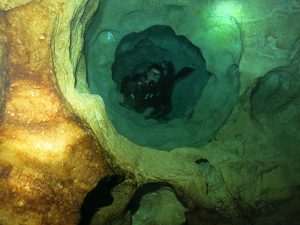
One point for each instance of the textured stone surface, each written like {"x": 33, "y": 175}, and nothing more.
{"x": 3, "y": 80}
{"x": 248, "y": 172}
{"x": 47, "y": 155}
{"x": 10, "y": 4}
{"x": 159, "y": 207}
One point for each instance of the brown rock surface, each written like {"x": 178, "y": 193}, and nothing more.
{"x": 47, "y": 155}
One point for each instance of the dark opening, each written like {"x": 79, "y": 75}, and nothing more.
{"x": 155, "y": 85}
{"x": 99, "y": 197}
{"x": 199, "y": 161}
{"x": 147, "y": 67}
{"x": 134, "y": 204}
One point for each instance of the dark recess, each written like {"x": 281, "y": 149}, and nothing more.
{"x": 99, "y": 197}
{"x": 134, "y": 204}
{"x": 159, "y": 74}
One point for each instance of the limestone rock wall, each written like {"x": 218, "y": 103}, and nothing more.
{"x": 56, "y": 141}
{"x": 47, "y": 155}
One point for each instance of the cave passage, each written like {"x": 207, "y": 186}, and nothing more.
{"x": 162, "y": 85}
{"x": 149, "y": 70}
{"x": 97, "y": 198}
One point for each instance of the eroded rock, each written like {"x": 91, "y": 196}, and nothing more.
{"x": 48, "y": 156}
{"x": 57, "y": 142}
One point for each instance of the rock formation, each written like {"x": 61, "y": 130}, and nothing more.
{"x": 63, "y": 149}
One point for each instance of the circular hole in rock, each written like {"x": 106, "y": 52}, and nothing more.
{"x": 159, "y": 74}
{"x": 198, "y": 100}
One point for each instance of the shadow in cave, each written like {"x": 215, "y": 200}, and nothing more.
{"x": 158, "y": 73}
{"x": 97, "y": 198}
{"x": 134, "y": 204}
{"x": 205, "y": 217}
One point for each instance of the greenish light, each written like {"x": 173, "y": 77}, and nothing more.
{"x": 228, "y": 9}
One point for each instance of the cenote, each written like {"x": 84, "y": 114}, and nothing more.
{"x": 140, "y": 112}
{"x": 154, "y": 79}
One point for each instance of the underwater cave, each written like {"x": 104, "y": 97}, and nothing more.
{"x": 185, "y": 106}
{"x": 135, "y": 112}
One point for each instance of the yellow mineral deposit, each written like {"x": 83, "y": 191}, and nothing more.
{"x": 47, "y": 155}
